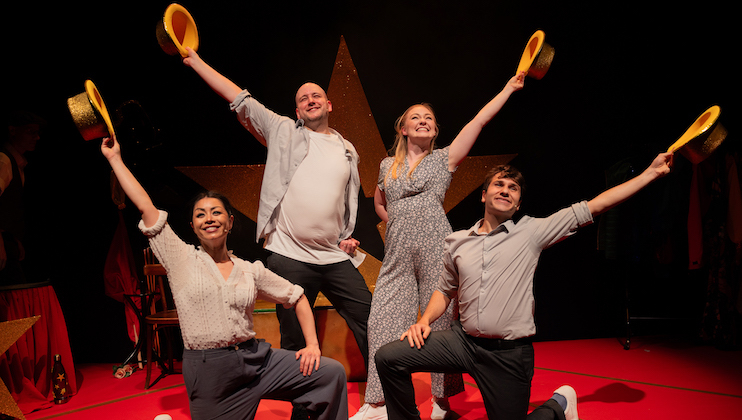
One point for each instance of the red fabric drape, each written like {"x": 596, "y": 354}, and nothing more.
{"x": 25, "y": 367}
{"x": 120, "y": 276}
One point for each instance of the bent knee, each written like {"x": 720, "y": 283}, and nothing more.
{"x": 386, "y": 355}
{"x": 333, "y": 367}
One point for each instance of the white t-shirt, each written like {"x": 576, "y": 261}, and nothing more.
{"x": 310, "y": 216}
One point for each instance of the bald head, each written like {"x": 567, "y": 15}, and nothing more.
{"x": 313, "y": 107}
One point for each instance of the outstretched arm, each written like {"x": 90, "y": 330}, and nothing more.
{"x": 133, "y": 189}
{"x": 220, "y": 84}
{"x": 660, "y": 167}
{"x": 464, "y": 141}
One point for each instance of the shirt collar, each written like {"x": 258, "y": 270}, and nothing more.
{"x": 506, "y": 227}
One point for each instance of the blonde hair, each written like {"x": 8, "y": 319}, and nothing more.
{"x": 400, "y": 143}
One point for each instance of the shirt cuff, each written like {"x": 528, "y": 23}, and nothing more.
{"x": 582, "y": 213}
{"x": 238, "y": 100}
{"x": 295, "y": 295}
{"x": 157, "y": 227}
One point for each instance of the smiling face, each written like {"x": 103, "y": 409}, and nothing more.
{"x": 312, "y": 104}
{"x": 501, "y": 198}
{"x": 211, "y": 221}
{"x": 419, "y": 125}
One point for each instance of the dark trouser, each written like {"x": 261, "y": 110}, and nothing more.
{"x": 343, "y": 286}
{"x": 502, "y": 370}
{"x": 229, "y": 383}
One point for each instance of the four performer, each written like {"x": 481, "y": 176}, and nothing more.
{"x": 473, "y": 287}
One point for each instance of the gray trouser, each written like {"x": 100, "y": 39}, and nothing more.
{"x": 228, "y": 383}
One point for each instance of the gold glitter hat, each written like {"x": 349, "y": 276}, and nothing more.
{"x": 177, "y": 30}
{"x": 90, "y": 113}
{"x": 702, "y": 137}
{"x": 537, "y": 56}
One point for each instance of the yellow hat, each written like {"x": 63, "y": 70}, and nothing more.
{"x": 702, "y": 137}
{"x": 537, "y": 56}
{"x": 177, "y": 30}
{"x": 90, "y": 113}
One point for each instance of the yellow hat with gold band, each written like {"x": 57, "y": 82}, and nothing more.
{"x": 177, "y": 30}
{"x": 90, "y": 114}
{"x": 703, "y": 136}
{"x": 537, "y": 56}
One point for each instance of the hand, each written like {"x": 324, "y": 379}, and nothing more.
{"x": 662, "y": 164}
{"x": 416, "y": 335}
{"x": 110, "y": 148}
{"x": 517, "y": 82}
{"x": 192, "y": 57}
{"x": 349, "y": 246}
{"x": 310, "y": 357}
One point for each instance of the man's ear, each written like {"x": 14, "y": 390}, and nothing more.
{"x": 329, "y": 106}
{"x": 297, "y": 114}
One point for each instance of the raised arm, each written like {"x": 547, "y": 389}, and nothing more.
{"x": 464, "y": 141}
{"x": 220, "y": 84}
{"x": 660, "y": 167}
{"x": 133, "y": 189}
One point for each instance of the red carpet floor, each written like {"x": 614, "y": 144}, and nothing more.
{"x": 658, "y": 378}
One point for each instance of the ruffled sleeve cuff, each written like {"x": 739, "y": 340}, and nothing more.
{"x": 156, "y": 228}
{"x": 295, "y": 294}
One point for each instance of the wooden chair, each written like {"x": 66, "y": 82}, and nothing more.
{"x": 162, "y": 314}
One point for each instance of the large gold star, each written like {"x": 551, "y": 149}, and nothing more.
{"x": 10, "y": 332}
{"x": 352, "y": 117}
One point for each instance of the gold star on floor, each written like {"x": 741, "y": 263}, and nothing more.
{"x": 352, "y": 117}
{"x": 10, "y": 332}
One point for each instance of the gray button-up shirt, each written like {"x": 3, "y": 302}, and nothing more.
{"x": 287, "y": 142}
{"x": 492, "y": 274}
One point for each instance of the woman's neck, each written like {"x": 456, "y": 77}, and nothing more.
{"x": 416, "y": 152}
{"x": 218, "y": 253}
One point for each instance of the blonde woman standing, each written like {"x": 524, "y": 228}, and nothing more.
{"x": 409, "y": 198}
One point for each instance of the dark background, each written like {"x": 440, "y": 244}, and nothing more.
{"x": 626, "y": 81}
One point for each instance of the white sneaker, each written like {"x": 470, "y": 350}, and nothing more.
{"x": 441, "y": 409}
{"x": 569, "y": 393}
{"x": 369, "y": 412}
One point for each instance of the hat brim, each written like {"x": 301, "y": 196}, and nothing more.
{"x": 703, "y": 136}
{"x": 177, "y": 30}
{"x": 90, "y": 113}
{"x": 537, "y": 56}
